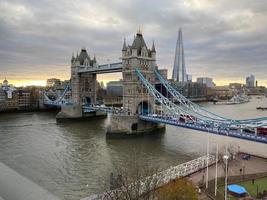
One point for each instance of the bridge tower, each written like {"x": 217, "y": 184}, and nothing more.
{"x": 138, "y": 55}
{"x": 83, "y": 86}
{"x": 136, "y": 98}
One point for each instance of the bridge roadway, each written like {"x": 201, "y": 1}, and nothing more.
{"x": 107, "y": 109}
{"x": 200, "y": 127}
{"x": 176, "y": 122}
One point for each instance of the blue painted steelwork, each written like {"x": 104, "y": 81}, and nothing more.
{"x": 175, "y": 110}
{"x": 59, "y": 101}
{"x": 184, "y": 101}
{"x": 189, "y": 112}
{"x": 198, "y": 109}
{"x": 204, "y": 128}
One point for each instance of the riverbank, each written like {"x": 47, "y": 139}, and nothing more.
{"x": 237, "y": 167}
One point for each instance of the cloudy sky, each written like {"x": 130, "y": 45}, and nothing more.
{"x": 223, "y": 39}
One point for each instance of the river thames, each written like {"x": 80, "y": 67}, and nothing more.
{"x": 74, "y": 160}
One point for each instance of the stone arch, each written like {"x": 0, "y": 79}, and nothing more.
{"x": 143, "y": 107}
{"x": 87, "y": 100}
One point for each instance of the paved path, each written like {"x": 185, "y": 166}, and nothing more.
{"x": 252, "y": 166}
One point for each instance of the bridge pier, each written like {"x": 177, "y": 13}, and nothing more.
{"x": 75, "y": 112}
{"x": 69, "y": 111}
{"x": 127, "y": 126}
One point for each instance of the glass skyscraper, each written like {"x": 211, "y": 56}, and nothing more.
{"x": 179, "y": 70}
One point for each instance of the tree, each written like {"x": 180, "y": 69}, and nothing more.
{"x": 146, "y": 184}
{"x": 138, "y": 183}
{"x": 179, "y": 189}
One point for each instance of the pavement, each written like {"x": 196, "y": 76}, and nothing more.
{"x": 252, "y": 166}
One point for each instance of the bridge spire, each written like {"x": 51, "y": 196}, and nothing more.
{"x": 124, "y": 48}
{"x": 72, "y": 58}
{"x": 139, "y": 32}
{"x": 153, "y": 47}
{"x": 94, "y": 59}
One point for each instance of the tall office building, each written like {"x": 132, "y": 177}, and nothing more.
{"x": 250, "y": 81}
{"x": 115, "y": 88}
{"x": 179, "y": 71}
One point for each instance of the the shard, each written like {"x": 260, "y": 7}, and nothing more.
{"x": 179, "y": 71}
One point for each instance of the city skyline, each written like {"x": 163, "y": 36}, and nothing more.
{"x": 225, "y": 41}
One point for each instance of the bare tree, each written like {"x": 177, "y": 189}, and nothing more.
{"x": 133, "y": 181}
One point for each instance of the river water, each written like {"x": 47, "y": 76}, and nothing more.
{"x": 74, "y": 160}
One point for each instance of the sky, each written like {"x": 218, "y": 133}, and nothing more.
{"x": 223, "y": 39}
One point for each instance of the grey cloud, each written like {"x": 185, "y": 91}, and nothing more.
{"x": 219, "y": 40}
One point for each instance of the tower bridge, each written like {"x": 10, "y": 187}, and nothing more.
{"x": 144, "y": 107}
{"x": 84, "y": 71}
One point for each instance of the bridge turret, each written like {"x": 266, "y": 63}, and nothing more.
{"x": 76, "y": 61}
{"x": 94, "y": 62}
{"x": 72, "y": 58}
{"x": 153, "y": 51}
{"x": 124, "y": 48}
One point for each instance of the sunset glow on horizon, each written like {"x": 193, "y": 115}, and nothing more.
{"x": 105, "y": 78}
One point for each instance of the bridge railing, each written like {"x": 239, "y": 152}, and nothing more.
{"x": 112, "y": 110}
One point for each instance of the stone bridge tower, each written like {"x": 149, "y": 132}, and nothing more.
{"x": 137, "y": 55}
{"x": 83, "y": 85}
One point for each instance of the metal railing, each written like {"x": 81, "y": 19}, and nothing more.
{"x": 160, "y": 179}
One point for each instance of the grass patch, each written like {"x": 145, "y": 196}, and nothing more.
{"x": 251, "y": 188}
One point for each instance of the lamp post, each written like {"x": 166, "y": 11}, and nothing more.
{"x": 216, "y": 171}
{"x": 207, "y": 171}
{"x": 226, "y": 157}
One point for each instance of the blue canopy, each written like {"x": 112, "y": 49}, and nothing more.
{"x": 236, "y": 189}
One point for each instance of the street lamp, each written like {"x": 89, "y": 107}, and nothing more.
{"x": 216, "y": 171}
{"x": 207, "y": 171}
{"x": 226, "y": 157}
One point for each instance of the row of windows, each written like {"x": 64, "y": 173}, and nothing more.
{"x": 138, "y": 89}
{"x": 87, "y": 89}
{"x": 140, "y": 61}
